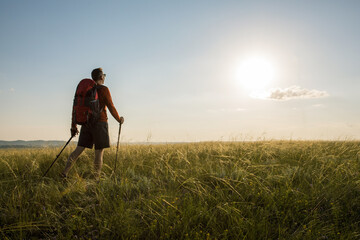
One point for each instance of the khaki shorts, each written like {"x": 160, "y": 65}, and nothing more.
{"x": 98, "y": 135}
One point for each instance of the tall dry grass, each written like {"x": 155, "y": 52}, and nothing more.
{"x": 215, "y": 190}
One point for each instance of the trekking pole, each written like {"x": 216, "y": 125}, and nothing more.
{"x": 58, "y": 156}
{"x": 117, "y": 147}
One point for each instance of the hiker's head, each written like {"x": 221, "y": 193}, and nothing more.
{"x": 98, "y": 75}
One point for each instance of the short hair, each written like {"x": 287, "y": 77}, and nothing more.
{"x": 96, "y": 74}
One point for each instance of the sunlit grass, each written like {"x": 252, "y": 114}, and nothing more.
{"x": 216, "y": 190}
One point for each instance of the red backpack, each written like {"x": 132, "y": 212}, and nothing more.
{"x": 86, "y": 108}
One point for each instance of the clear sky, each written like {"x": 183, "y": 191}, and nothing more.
{"x": 184, "y": 70}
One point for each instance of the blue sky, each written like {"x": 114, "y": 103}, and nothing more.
{"x": 171, "y": 67}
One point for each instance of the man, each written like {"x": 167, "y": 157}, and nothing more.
{"x": 98, "y": 134}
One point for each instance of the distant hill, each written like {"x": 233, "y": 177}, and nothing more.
{"x": 30, "y": 144}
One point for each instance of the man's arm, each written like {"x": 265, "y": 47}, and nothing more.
{"x": 110, "y": 105}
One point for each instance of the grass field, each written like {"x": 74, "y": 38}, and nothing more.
{"x": 215, "y": 190}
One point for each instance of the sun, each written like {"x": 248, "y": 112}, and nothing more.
{"x": 255, "y": 73}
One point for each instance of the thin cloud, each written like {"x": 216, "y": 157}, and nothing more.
{"x": 10, "y": 90}
{"x": 293, "y": 92}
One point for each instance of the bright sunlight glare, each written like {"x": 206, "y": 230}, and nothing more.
{"x": 255, "y": 73}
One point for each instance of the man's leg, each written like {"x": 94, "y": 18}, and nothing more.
{"x": 98, "y": 162}
{"x": 72, "y": 158}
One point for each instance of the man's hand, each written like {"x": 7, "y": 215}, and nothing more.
{"x": 121, "y": 120}
{"x": 74, "y": 131}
